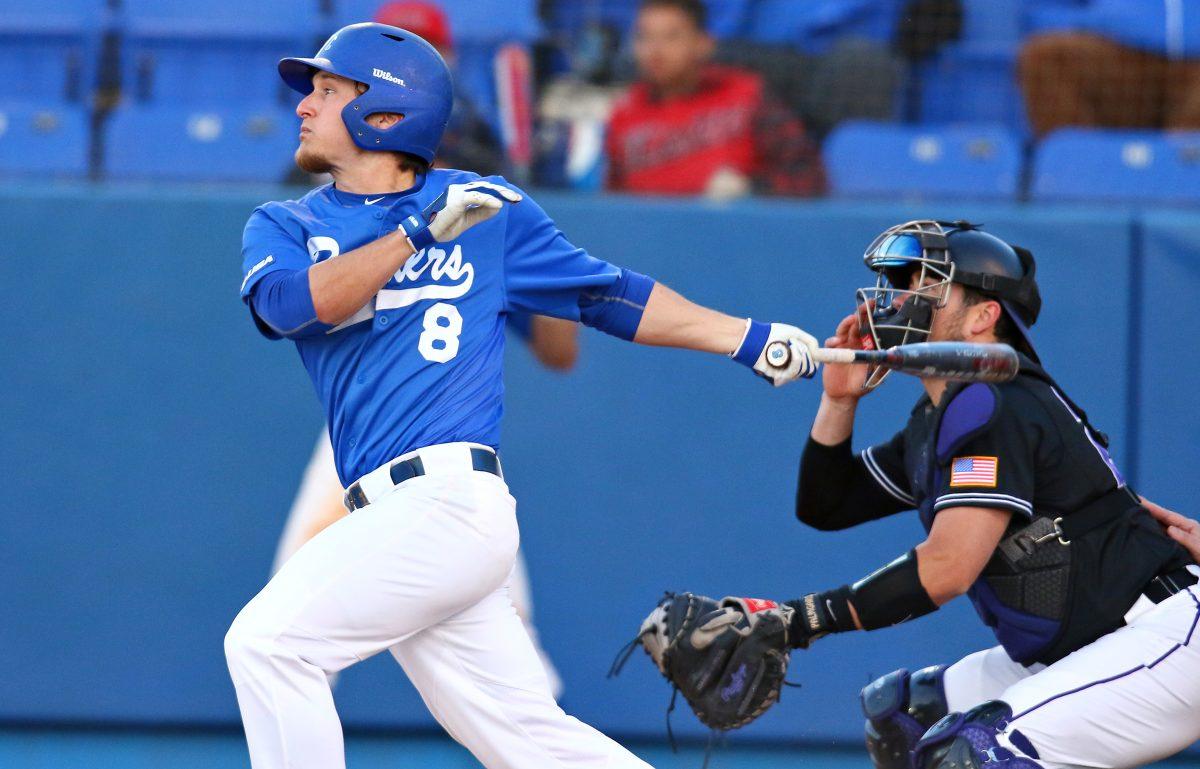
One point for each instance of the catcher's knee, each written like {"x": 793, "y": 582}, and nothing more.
{"x": 899, "y": 708}
{"x": 970, "y": 741}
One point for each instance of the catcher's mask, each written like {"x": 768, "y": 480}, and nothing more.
{"x": 915, "y": 264}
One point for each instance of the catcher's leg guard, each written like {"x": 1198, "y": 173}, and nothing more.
{"x": 968, "y": 741}
{"x": 899, "y": 708}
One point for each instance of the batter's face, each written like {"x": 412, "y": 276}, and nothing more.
{"x": 325, "y": 144}
{"x": 670, "y": 50}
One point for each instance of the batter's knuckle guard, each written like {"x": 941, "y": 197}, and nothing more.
{"x": 728, "y": 666}
{"x": 900, "y": 707}
{"x": 404, "y": 75}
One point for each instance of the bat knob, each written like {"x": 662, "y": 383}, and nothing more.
{"x": 779, "y": 354}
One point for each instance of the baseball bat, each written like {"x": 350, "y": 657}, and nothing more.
{"x": 961, "y": 361}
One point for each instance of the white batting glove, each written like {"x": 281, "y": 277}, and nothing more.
{"x": 455, "y": 211}
{"x": 777, "y": 352}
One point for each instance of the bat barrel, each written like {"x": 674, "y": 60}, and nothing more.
{"x": 961, "y": 361}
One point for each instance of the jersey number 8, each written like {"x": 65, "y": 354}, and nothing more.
{"x": 442, "y": 326}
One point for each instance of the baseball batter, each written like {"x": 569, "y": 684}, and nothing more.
{"x": 394, "y": 282}
{"x": 1095, "y": 607}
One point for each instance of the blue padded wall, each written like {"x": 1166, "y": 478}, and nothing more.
{"x": 153, "y": 443}
{"x": 1169, "y": 420}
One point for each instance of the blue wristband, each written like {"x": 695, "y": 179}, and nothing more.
{"x": 752, "y": 346}
{"x": 418, "y": 233}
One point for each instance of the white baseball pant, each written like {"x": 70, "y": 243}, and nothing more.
{"x": 422, "y": 571}
{"x": 320, "y": 489}
{"x": 1127, "y": 699}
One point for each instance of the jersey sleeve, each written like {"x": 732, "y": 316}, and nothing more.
{"x": 993, "y": 469}
{"x": 884, "y": 462}
{"x": 544, "y": 273}
{"x": 837, "y": 490}
{"x": 267, "y": 247}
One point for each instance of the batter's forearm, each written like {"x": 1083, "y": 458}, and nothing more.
{"x": 340, "y": 286}
{"x": 670, "y": 320}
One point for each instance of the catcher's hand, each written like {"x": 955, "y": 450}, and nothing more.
{"x": 728, "y": 658}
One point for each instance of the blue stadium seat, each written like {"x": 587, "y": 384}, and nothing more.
{"x": 471, "y": 21}
{"x": 224, "y": 51}
{"x": 865, "y": 159}
{"x": 219, "y": 18}
{"x": 1056, "y": 15}
{"x": 992, "y": 21}
{"x": 726, "y": 18}
{"x": 50, "y": 51}
{"x": 1106, "y": 165}
{"x": 972, "y": 83}
{"x": 170, "y": 141}
{"x": 47, "y": 141}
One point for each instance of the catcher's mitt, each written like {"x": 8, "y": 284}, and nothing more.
{"x": 728, "y": 658}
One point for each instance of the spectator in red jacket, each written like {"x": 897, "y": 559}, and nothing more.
{"x": 691, "y": 127}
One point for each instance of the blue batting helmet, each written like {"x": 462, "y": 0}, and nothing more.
{"x": 403, "y": 74}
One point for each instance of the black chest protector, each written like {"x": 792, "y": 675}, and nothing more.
{"x": 1064, "y": 577}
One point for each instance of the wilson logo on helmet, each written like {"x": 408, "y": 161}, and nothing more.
{"x": 388, "y": 76}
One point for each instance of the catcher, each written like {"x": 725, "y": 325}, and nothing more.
{"x": 1095, "y": 608}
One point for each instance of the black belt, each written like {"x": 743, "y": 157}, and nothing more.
{"x": 482, "y": 460}
{"x": 1168, "y": 584}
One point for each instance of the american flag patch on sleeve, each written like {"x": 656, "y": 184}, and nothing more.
{"x": 973, "y": 471}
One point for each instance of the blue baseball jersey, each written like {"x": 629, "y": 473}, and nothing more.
{"x": 421, "y": 362}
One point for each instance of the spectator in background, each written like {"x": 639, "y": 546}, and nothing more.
{"x": 1114, "y": 64}
{"x": 690, "y": 127}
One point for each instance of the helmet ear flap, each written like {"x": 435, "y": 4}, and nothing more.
{"x": 1032, "y": 297}
{"x": 1027, "y": 261}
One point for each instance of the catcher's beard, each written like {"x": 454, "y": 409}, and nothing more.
{"x": 312, "y": 162}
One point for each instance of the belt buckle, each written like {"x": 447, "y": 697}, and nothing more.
{"x": 355, "y": 499}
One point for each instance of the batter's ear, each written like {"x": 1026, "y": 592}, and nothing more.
{"x": 384, "y": 120}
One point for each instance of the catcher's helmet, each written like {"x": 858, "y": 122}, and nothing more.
{"x": 403, "y": 74}
{"x": 945, "y": 253}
